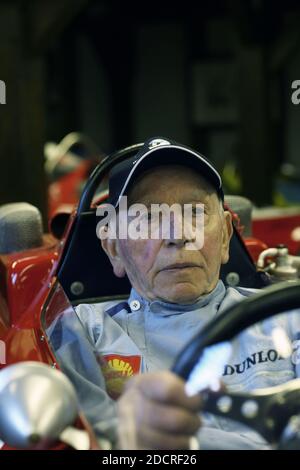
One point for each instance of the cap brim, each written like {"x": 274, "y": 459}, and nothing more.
{"x": 166, "y": 155}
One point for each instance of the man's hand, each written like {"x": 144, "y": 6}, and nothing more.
{"x": 155, "y": 413}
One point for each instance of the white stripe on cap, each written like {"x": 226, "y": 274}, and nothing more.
{"x": 172, "y": 147}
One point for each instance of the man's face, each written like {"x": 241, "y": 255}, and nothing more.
{"x": 163, "y": 269}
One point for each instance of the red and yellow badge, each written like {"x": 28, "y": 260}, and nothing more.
{"x": 117, "y": 370}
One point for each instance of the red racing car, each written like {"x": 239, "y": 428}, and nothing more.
{"x": 43, "y": 276}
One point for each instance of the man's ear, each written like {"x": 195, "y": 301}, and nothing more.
{"x": 111, "y": 248}
{"x": 226, "y": 236}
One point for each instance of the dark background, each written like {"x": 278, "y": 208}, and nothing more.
{"x": 216, "y": 76}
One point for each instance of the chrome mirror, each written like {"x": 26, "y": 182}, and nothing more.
{"x": 37, "y": 404}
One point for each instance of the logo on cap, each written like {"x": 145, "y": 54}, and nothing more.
{"x": 158, "y": 143}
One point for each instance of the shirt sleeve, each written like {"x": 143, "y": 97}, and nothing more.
{"x": 76, "y": 357}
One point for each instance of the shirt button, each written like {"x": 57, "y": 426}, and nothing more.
{"x": 134, "y": 305}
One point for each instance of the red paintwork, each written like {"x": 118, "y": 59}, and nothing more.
{"x": 25, "y": 274}
{"x": 28, "y": 280}
{"x": 28, "y": 283}
{"x": 277, "y": 230}
{"x": 65, "y": 192}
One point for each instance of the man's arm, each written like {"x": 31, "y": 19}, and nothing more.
{"x": 155, "y": 413}
{"x": 77, "y": 359}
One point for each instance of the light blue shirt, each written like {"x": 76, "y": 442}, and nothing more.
{"x": 105, "y": 343}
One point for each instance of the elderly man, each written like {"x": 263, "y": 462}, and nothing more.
{"x": 175, "y": 291}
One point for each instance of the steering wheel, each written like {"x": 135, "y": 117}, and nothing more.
{"x": 273, "y": 412}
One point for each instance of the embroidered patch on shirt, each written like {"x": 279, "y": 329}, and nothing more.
{"x": 117, "y": 369}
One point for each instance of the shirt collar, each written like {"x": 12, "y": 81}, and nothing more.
{"x": 167, "y": 308}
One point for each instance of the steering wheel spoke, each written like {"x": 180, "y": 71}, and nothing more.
{"x": 267, "y": 410}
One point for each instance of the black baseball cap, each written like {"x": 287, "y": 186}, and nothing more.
{"x": 155, "y": 152}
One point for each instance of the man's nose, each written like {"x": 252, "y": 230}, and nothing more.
{"x": 177, "y": 235}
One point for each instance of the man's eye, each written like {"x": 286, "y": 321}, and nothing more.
{"x": 198, "y": 211}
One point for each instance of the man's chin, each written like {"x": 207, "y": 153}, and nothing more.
{"x": 181, "y": 294}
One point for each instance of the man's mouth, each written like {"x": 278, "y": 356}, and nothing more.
{"x": 177, "y": 266}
